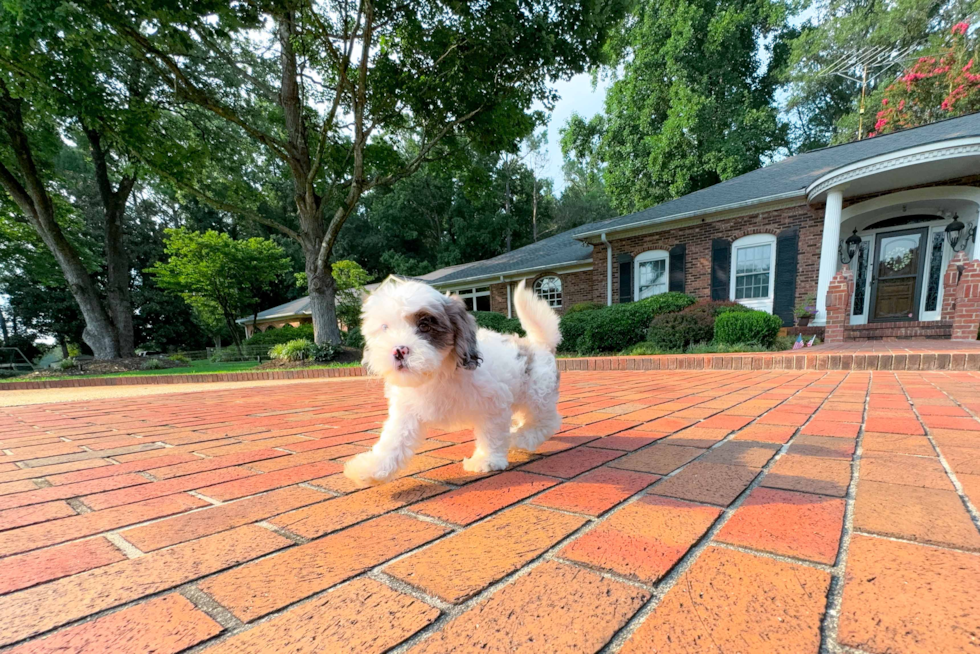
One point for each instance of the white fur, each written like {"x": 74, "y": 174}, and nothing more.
{"x": 509, "y": 400}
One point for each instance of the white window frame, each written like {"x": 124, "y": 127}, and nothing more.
{"x": 553, "y": 302}
{"x": 473, "y": 293}
{"x": 645, "y": 257}
{"x": 755, "y": 240}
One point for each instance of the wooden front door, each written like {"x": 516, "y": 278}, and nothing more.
{"x": 897, "y": 275}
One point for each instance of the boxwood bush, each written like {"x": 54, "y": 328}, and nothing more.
{"x": 614, "y": 328}
{"x": 748, "y": 327}
{"x": 695, "y": 324}
{"x": 498, "y": 322}
{"x": 281, "y": 335}
{"x": 583, "y": 306}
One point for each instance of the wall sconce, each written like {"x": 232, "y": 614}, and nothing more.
{"x": 848, "y": 249}
{"x": 958, "y": 240}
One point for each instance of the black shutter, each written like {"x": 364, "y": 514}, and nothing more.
{"x": 678, "y": 257}
{"x": 787, "y": 253}
{"x": 625, "y": 277}
{"x": 721, "y": 263}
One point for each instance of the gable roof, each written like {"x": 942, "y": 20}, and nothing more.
{"x": 788, "y": 178}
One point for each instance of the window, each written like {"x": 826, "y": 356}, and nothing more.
{"x": 753, "y": 271}
{"x": 475, "y": 299}
{"x": 549, "y": 290}
{"x": 651, "y": 274}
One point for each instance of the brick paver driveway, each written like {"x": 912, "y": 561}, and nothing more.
{"x": 676, "y": 512}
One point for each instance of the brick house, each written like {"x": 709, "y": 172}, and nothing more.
{"x": 869, "y": 228}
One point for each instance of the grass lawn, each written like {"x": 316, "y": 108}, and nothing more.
{"x": 204, "y": 367}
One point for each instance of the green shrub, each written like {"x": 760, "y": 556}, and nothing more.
{"x": 152, "y": 364}
{"x": 353, "y": 338}
{"x": 67, "y": 364}
{"x": 643, "y": 349}
{"x": 676, "y": 331}
{"x": 748, "y": 327}
{"x": 295, "y": 350}
{"x": 498, "y": 322}
{"x": 724, "y": 348}
{"x": 282, "y": 335}
{"x": 615, "y": 328}
{"x": 179, "y": 357}
{"x": 583, "y": 306}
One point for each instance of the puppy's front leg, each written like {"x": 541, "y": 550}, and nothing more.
{"x": 492, "y": 443}
{"x": 400, "y": 436}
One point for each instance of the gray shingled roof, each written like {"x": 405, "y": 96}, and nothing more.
{"x": 794, "y": 174}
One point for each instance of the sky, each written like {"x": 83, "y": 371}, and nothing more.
{"x": 577, "y": 96}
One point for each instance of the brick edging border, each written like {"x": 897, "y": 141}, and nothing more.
{"x": 814, "y": 361}
{"x": 262, "y": 375}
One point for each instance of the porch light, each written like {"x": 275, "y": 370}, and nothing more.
{"x": 849, "y": 248}
{"x": 955, "y": 234}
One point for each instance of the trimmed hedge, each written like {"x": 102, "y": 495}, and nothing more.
{"x": 695, "y": 324}
{"x": 281, "y": 335}
{"x": 498, "y": 322}
{"x": 748, "y": 327}
{"x": 583, "y": 306}
{"x": 614, "y": 328}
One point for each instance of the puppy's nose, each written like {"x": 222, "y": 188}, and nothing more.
{"x": 399, "y": 352}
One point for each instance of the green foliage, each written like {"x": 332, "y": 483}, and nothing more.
{"x": 583, "y": 306}
{"x": 748, "y": 327}
{"x": 179, "y": 357}
{"x": 67, "y": 364}
{"x": 614, "y": 328}
{"x": 353, "y": 338}
{"x": 217, "y": 274}
{"x": 296, "y": 350}
{"x": 807, "y": 308}
{"x": 350, "y": 280}
{"x": 498, "y": 322}
{"x": 281, "y": 335}
{"x": 644, "y": 349}
{"x": 676, "y": 331}
{"x": 152, "y": 364}
{"x": 694, "y": 104}
{"x": 584, "y": 199}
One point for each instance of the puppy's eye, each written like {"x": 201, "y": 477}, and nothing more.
{"x": 424, "y": 326}
{"x": 384, "y": 328}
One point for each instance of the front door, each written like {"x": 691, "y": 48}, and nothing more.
{"x": 896, "y": 280}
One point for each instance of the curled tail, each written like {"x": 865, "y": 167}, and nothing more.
{"x": 537, "y": 318}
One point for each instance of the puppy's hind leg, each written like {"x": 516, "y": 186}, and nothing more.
{"x": 540, "y": 424}
{"x": 492, "y": 443}
{"x": 400, "y": 437}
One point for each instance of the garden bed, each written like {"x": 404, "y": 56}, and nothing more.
{"x": 102, "y": 367}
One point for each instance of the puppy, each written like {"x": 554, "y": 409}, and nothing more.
{"x": 441, "y": 371}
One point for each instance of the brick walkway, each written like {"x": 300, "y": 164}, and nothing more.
{"x": 677, "y": 511}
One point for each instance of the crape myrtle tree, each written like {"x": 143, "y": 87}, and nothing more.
{"x": 323, "y": 93}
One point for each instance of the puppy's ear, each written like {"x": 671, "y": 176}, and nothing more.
{"x": 464, "y": 334}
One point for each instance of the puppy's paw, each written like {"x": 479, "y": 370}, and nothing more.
{"x": 365, "y": 470}
{"x": 484, "y": 463}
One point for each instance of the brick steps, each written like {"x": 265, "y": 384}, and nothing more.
{"x": 892, "y": 331}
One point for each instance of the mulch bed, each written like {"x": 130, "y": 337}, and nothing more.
{"x": 101, "y": 367}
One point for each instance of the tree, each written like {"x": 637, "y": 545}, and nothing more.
{"x": 937, "y": 86}
{"x": 695, "y": 102}
{"x": 823, "y": 108}
{"x": 584, "y": 199}
{"x": 215, "y": 273}
{"x": 323, "y": 94}
{"x": 350, "y": 279}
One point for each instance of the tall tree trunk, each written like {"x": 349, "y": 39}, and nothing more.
{"x": 33, "y": 200}
{"x": 64, "y": 347}
{"x": 117, "y": 259}
{"x": 323, "y": 301}
{"x": 534, "y": 210}
{"x": 3, "y": 327}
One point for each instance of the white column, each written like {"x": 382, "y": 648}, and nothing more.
{"x": 829, "y": 249}
{"x": 510, "y": 308}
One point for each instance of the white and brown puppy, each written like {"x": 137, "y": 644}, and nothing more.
{"x": 441, "y": 371}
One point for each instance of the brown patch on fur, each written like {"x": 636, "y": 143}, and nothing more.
{"x": 464, "y": 334}
{"x": 435, "y": 329}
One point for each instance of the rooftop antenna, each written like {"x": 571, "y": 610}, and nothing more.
{"x": 865, "y": 66}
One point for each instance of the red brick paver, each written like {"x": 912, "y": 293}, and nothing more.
{"x": 677, "y": 511}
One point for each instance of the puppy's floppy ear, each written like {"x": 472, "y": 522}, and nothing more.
{"x": 464, "y": 334}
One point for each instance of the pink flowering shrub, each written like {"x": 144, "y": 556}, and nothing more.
{"x": 935, "y": 87}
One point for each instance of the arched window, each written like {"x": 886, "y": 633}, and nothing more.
{"x": 753, "y": 274}
{"x": 651, "y": 274}
{"x": 549, "y": 289}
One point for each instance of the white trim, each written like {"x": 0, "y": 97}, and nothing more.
{"x": 513, "y": 275}
{"x": 609, "y": 270}
{"x": 951, "y": 149}
{"x": 650, "y": 255}
{"x": 755, "y": 240}
{"x": 698, "y": 212}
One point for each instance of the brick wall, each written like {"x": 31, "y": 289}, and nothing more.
{"x": 575, "y": 287}
{"x": 698, "y": 240}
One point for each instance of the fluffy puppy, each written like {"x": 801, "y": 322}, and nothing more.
{"x": 441, "y": 371}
